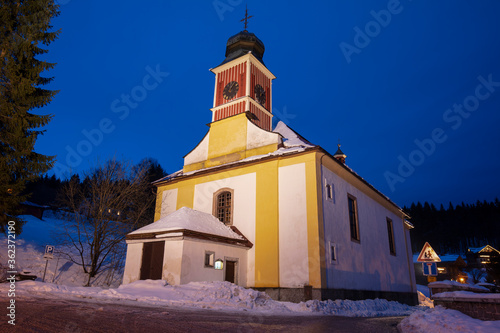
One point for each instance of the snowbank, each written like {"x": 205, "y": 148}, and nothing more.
{"x": 441, "y": 320}
{"x": 215, "y": 295}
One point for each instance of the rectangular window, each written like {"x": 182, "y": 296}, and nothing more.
{"x": 333, "y": 253}
{"x": 390, "y": 231}
{"x": 353, "y": 218}
{"x": 329, "y": 192}
{"x": 209, "y": 258}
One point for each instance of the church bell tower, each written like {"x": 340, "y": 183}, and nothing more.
{"x": 242, "y": 81}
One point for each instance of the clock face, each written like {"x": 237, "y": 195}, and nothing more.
{"x": 230, "y": 90}
{"x": 260, "y": 94}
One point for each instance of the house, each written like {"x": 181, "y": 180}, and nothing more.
{"x": 293, "y": 219}
{"x": 478, "y": 257}
{"x": 450, "y": 267}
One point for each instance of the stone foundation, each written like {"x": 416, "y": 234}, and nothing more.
{"x": 479, "y": 307}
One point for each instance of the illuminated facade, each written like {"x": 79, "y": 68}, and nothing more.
{"x": 304, "y": 218}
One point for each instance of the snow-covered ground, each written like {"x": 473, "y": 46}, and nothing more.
{"x": 69, "y": 278}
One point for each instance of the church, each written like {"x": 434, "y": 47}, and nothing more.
{"x": 264, "y": 208}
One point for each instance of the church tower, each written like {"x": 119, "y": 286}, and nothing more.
{"x": 241, "y": 124}
{"x": 242, "y": 81}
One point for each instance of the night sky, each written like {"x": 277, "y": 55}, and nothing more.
{"x": 410, "y": 88}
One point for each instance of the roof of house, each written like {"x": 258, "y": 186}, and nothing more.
{"x": 486, "y": 248}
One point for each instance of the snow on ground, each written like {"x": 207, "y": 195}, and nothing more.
{"x": 441, "y": 320}
{"x": 423, "y": 296}
{"x": 214, "y": 295}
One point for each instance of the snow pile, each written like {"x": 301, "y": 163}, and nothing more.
{"x": 441, "y": 320}
{"x": 466, "y": 294}
{"x": 215, "y": 295}
{"x": 189, "y": 219}
{"x": 423, "y": 293}
{"x": 457, "y": 285}
{"x": 366, "y": 308}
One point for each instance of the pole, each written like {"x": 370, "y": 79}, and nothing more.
{"x": 46, "y": 262}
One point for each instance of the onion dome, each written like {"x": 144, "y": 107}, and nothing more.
{"x": 243, "y": 43}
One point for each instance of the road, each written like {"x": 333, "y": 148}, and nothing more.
{"x": 81, "y": 315}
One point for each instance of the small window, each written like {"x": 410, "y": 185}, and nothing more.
{"x": 353, "y": 218}
{"x": 223, "y": 205}
{"x": 329, "y": 192}
{"x": 390, "y": 232}
{"x": 209, "y": 258}
{"x": 333, "y": 253}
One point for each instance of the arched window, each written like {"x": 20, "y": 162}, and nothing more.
{"x": 223, "y": 205}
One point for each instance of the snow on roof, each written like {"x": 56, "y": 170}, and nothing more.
{"x": 189, "y": 219}
{"x": 487, "y": 248}
{"x": 293, "y": 143}
{"x": 290, "y": 137}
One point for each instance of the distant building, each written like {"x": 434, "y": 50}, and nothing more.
{"x": 282, "y": 214}
{"x": 481, "y": 256}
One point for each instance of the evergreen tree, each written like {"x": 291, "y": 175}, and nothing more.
{"x": 24, "y": 29}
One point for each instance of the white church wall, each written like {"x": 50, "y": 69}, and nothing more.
{"x": 193, "y": 265}
{"x": 293, "y": 249}
{"x": 244, "y": 209}
{"x": 132, "y": 271}
{"x": 168, "y": 202}
{"x": 257, "y": 137}
{"x": 199, "y": 153}
{"x": 367, "y": 264}
{"x": 172, "y": 261}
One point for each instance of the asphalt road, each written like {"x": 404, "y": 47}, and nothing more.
{"x": 63, "y": 315}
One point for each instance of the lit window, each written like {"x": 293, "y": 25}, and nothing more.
{"x": 390, "y": 232}
{"x": 209, "y": 259}
{"x": 353, "y": 218}
{"x": 223, "y": 205}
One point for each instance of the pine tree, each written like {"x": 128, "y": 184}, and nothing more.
{"x": 24, "y": 29}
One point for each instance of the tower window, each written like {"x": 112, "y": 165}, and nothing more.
{"x": 223, "y": 205}
{"x": 353, "y": 218}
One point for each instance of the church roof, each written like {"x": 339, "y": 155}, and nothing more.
{"x": 293, "y": 143}
{"x": 189, "y": 219}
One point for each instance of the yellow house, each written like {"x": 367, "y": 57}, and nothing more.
{"x": 265, "y": 208}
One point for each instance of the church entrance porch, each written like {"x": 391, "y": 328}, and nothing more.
{"x": 152, "y": 260}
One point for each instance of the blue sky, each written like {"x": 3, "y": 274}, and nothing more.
{"x": 410, "y": 88}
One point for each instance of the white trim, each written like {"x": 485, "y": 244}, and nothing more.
{"x": 215, "y": 91}
{"x": 247, "y": 92}
{"x": 247, "y": 99}
{"x": 242, "y": 59}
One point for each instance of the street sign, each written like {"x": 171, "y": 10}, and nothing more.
{"x": 49, "y": 252}
{"x": 431, "y": 279}
{"x": 429, "y": 268}
{"x": 428, "y": 254}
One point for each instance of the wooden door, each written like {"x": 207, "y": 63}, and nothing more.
{"x": 152, "y": 260}
{"x": 230, "y": 271}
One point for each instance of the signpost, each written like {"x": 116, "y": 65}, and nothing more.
{"x": 48, "y": 255}
{"x": 428, "y": 257}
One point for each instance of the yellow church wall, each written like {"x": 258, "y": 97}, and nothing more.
{"x": 225, "y": 140}
{"x": 267, "y": 214}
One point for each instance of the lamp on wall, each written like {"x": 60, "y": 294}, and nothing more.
{"x": 219, "y": 264}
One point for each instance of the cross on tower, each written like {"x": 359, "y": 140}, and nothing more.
{"x": 246, "y": 18}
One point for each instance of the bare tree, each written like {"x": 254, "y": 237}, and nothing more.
{"x": 112, "y": 200}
